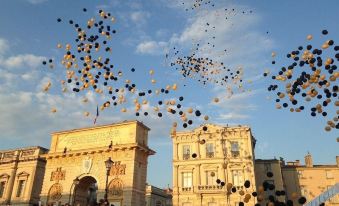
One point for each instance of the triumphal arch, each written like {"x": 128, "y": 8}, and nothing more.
{"x": 76, "y": 172}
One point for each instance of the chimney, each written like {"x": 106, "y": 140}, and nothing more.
{"x": 337, "y": 160}
{"x": 308, "y": 160}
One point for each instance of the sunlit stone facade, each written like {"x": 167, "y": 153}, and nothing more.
{"x": 222, "y": 152}
{"x": 21, "y": 174}
{"x": 310, "y": 180}
{"x": 81, "y": 153}
{"x": 298, "y": 180}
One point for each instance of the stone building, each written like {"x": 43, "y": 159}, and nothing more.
{"x": 21, "y": 174}
{"x": 158, "y": 197}
{"x": 80, "y": 155}
{"x": 310, "y": 180}
{"x": 208, "y": 153}
{"x": 298, "y": 180}
{"x": 269, "y": 170}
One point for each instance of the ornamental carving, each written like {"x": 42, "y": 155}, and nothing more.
{"x": 55, "y": 192}
{"x": 58, "y": 175}
{"x": 27, "y": 153}
{"x": 115, "y": 187}
{"x": 118, "y": 169}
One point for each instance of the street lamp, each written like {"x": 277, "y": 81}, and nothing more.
{"x": 108, "y": 164}
{"x": 76, "y": 181}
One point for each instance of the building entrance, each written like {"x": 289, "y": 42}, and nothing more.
{"x": 85, "y": 193}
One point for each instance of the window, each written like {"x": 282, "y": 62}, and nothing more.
{"x": 2, "y": 188}
{"x": 211, "y": 178}
{"x": 235, "y": 149}
{"x": 21, "y": 186}
{"x": 186, "y": 152}
{"x": 158, "y": 203}
{"x": 267, "y": 167}
{"x": 209, "y": 150}
{"x": 187, "y": 179}
{"x": 329, "y": 175}
{"x": 303, "y": 191}
{"x": 270, "y": 192}
{"x": 300, "y": 174}
{"x": 237, "y": 178}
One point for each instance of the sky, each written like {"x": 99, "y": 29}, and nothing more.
{"x": 146, "y": 31}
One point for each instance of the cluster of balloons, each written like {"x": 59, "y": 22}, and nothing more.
{"x": 89, "y": 67}
{"x": 311, "y": 78}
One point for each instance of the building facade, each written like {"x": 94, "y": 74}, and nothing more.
{"x": 206, "y": 154}
{"x": 80, "y": 154}
{"x": 158, "y": 197}
{"x": 21, "y": 174}
{"x": 269, "y": 171}
{"x": 310, "y": 180}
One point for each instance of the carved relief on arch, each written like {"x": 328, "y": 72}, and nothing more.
{"x": 115, "y": 188}
{"x": 55, "y": 192}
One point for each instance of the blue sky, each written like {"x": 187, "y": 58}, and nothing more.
{"x": 145, "y": 29}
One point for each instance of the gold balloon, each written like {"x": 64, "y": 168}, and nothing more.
{"x": 53, "y": 110}
{"x": 86, "y": 114}
{"x": 294, "y": 195}
{"x": 309, "y": 37}
{"x": 190, "y": 110}
{"x": 248, "y": 196}
{"x": 229, "y": 186}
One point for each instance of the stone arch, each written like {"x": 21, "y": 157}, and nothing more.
{"x": 85, "y": 193}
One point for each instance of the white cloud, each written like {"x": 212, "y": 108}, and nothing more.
{"x": 232, "y": 116}
{"x": 151, "y": 47}
{"x": 36, "y": 1}
{"x": 3, "y": 46}
{"x": 21, "y": 61}
{"x": 140, "y": 17}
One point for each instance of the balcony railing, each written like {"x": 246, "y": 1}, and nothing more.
{"x": 186, "y": 156}
{"x": 187, "y": 189}
{"x": 209, "y": 187}
{"x": 210, "y": 154}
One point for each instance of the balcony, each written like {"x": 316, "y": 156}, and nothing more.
{"x": 209, "y": 187}
{"x": 186, "y": 156}
{"x": 210, "y": 154}
{"x": 187, "y": 189}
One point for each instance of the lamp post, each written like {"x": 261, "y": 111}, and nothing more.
{"x": 76, "y": 181}
{"x": 108, "y": 164}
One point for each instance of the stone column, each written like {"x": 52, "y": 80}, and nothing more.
{"x": 198, "y": 149}
{"x": 11, "y": 180}
{"x": 175, "y": 176}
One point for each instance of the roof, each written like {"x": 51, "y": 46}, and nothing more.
{"x": 314, "y": 166}
{"x": 125, "y": 122}
{"x": 215, "y": 126}
{"x": 266, "y": 160}
{"x": 24, "y": 148}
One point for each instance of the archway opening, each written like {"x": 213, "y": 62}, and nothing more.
{"x": 85, "y": 193}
